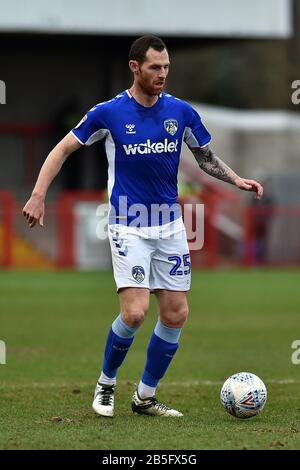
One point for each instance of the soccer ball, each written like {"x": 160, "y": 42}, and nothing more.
{"x": 243, "y": 395}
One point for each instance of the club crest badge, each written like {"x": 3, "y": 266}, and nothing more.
{"x": 138, "y": 273}
{"x": 171, "y": 126}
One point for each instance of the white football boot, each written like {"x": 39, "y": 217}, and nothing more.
{"x": 103, "y": 403}
{"x": 151, "y": 406}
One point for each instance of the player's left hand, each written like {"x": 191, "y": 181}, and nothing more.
{"x": 250, "y": 185}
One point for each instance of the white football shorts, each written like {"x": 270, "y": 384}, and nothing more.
{"x": 151, "y": 257}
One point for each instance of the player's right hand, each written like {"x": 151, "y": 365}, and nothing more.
{"x": 34, "y": 211}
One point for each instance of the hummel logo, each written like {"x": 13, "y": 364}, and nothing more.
{"x": 120, "y": 349}
{"x": 130, "y": 129}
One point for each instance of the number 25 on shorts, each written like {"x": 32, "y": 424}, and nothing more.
{"x": 183, "y": 261}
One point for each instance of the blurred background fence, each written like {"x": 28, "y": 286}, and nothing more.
{"x": 234, "y": 61}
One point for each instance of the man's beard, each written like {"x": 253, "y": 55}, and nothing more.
{"x": 149, "y": 90}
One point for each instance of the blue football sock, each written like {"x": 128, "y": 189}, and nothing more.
{"x": 161, "y": 349}
{"x": 118, "y": 342}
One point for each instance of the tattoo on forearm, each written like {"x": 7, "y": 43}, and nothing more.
{"x": 213, "y": 165}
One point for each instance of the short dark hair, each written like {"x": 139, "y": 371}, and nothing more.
{"x": 141, "y": 45}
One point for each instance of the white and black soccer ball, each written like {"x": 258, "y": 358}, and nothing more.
{"x": 243, "y": 395}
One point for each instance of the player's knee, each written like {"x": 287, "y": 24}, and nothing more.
{"x": 181, "y": 316}
{"x": 176, "y": 318}
{"x": 134, "y": 317}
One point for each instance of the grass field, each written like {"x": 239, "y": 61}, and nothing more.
{"x": 55, "y": 324}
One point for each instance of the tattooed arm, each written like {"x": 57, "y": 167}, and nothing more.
{"x": 214, "y": 166}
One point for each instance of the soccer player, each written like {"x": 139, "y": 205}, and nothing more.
{"x": 143, "y": 129}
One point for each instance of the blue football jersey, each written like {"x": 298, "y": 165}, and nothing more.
{"x": 143, "y": 146}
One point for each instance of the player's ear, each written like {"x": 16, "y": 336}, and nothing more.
{"x": 134, "y": 66}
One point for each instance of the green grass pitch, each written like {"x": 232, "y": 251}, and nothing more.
{"x": 55, "y": 324}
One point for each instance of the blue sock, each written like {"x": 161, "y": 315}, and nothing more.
{"x": 162, "y": 347}
{"x": 118, "y": 342}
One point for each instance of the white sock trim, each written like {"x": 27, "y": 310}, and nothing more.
{"x": 145, "y": 391}
{"x": 107, "y": 380}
